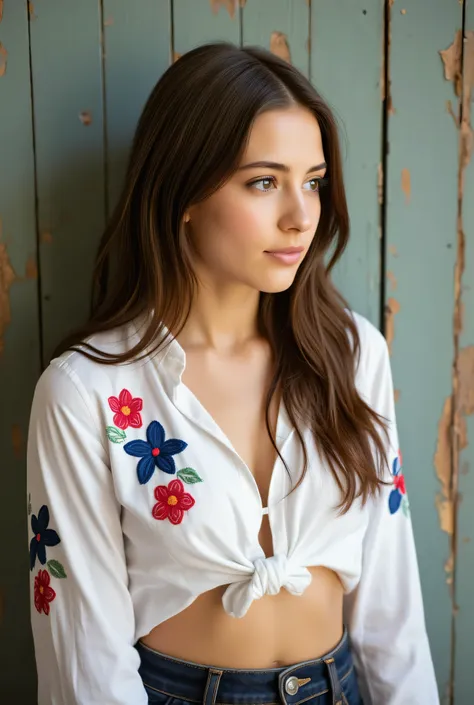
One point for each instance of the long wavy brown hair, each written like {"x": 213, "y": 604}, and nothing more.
{"x": 189, "y": 141}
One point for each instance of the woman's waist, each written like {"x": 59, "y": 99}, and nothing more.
{"x": 277, "y": 630}
{"x": 331, "y": 674}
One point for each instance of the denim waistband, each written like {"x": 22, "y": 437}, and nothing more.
{"x": 212, "y": 685}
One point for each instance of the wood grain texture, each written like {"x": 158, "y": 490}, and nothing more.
{"x": 421, "y": 256}
{"x": 67, "y": 89}
{"x": 19, "y": 352}
{"x": 346, "y": 67}
{"x": 282, "y": 26}
{"x": 464, "y": 621}
{"x": 137, "y": 43}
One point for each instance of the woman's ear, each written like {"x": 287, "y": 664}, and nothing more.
{"x": 187, "y": 217}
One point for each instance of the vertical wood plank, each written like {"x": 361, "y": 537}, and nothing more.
{"x": 421, "y": 254}
{"x": 19, "y": 348}
{"x": 346, "y": 67}
{"x": 282, "y": 26}
{"x": 137, "y": 52}
{"x": 465, "y": 380}
{"x": 201, "y": 21}
{"x": 67, "y": 88}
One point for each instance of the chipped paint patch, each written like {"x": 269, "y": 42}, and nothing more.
{"x": 17, "y": 441}
{"x": 3, "y": 60}
{"x": 31, "y": 11}
{"x": 230, "y": 5}
{"x": 393, "y": 250}
{"x": 31, "y": 268}
{"x": 467, "y": 135}
{"x": 176, "y": 56}
{"x": 85, "y": 117}
{"x": 1, "y": 10}
{"x": 452, "y": 62}
{"x": 391, "y": 310}
{"x": 443, "y": 468}
{"x": 279, "y": 46}
{"x": 396, "y": 395}
{"x": 7, "y": 277}
{"x": 450, "y": 111}
{"x": 109, "y": 22}
{"x": 406, "y": 185}
{"x": 392, "y": 279}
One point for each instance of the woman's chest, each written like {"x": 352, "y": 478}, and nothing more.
{"x": 180, "y": 477}
{"x": 235, "y": 396}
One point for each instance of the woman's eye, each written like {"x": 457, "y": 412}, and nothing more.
{"x": 267, "y": 184}
{"x": 314, "y": 184}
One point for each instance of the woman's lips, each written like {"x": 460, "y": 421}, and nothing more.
{"x": 287, "y": 256}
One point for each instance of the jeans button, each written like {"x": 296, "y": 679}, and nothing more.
{"x": 292, "y": 685}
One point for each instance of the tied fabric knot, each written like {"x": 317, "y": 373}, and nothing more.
{"x": 269, "y": 576}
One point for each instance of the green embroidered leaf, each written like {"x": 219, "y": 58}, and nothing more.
{"x": 189, "y": 476}
{"x": 56, "y": 569}
{"x": 116, "y": 435}
{"x": 406, "y": 506}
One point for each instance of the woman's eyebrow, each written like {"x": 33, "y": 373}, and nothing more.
{"x": 279, "y": 167}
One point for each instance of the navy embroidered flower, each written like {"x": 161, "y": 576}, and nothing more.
{"x": 155, "y": 452}
{"x": 42, "y": 536}
{"x": 398, "y": 496}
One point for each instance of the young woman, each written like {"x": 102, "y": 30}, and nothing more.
{"x": 218, "y": 510}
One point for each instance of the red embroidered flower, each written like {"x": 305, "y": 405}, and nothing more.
{"x": 173, "y": 501}
{"x": 44, "y": 594}
{"x": 399, "y": 482}
{"x": 126, "y": 410}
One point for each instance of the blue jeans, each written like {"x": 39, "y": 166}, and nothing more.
{"x": 329, "y": 680}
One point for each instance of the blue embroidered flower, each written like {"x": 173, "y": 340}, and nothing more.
{"x": 42, "y": 536}
{"x": 155, "y": 452}
{"x": 399, "y": 492}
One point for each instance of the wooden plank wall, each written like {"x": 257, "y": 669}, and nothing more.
{"x": 420, "y": 263}
{"x": 19, "y": 343}
{"x": 464, "y": 369}
{"x": 73, "y": 80}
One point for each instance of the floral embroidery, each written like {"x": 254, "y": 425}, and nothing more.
{"x": 397, "y": 497}
{"x": 127, "y": 410}
{"x": 126, "y": 413}
{"x": 172, "y": 502}
{"x": 42, "y": 536}
{"x": 44, "y": 594}
{"x": 155, "y": 452}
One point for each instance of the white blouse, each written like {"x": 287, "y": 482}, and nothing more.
{"x": 138, "y": 503}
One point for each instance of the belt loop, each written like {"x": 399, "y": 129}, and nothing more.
{"x": 212, "y": 685}
{"x": 335, "y": 682}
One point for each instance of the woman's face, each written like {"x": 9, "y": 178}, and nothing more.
{"x": 266, "y": 207}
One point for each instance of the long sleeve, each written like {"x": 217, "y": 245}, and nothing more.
{"x": 81, "y": 611}
{"x": 385, "y": 613}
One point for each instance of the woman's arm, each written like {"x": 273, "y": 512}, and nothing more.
{"x": 81, "y": 611}
{"x": 385, "y": 612}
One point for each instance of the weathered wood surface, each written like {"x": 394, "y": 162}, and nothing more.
{"x": 420, "y": 282}
{"x": 464, "y": 377}
{"x": 19, "y": 347}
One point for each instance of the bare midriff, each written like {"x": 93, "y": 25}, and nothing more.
{"x": 278, "y": 630}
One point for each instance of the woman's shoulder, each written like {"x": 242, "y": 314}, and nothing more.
{"x": 73, "y": 372}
